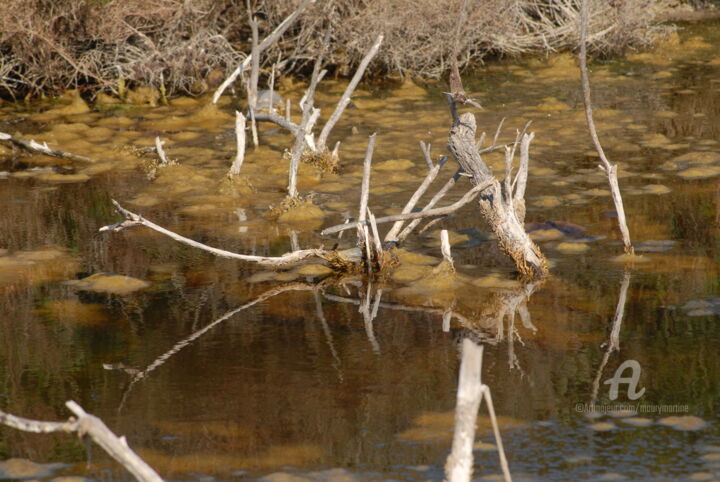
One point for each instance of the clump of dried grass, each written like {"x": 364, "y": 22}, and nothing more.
{"x": 50, "y": 45}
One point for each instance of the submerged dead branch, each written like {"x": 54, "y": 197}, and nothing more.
{"x": 86, "y": 424}
{"x": 288, "y": 259}
{"x": 43, "y": 148}
{"x": 609, "y": 169}
{"x": 469, "y": 196}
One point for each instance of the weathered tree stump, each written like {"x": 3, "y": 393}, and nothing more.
{"x": 500, "y": 206}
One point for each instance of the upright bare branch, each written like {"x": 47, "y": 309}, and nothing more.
{"x": 609, "y": 169}
{"x": 240, "y": 138}
{"x": 267, "y": 42}
{"x": 252, "y": 87}
{"x": 392, "y": 235}
{"x": 345, "y": 99}
{"x": 365, "y": 186}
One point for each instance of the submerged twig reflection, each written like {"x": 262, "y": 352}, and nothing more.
{"x": 613, "y": 343}
{"x": 139, "y": 375}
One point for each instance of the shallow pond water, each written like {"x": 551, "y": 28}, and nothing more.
{"x": 217, "y": 369}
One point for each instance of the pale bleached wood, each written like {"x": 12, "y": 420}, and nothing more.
{"x": 161, "y": 152}
{"x": 469, "y": 196}
{"x": 445, "y": 247}
{"x": 609, "y": 169}
{"x": 288, "y": 259}
{"x": 433, "y": 201}
{"x": 240, "y": 140}
{"x": 345, "y": 99}
{"x": 365, "y": 185}
{"x": 304, "y": 136}
{"x": 495, "y": 208}
{"x": 85, "y": 424}
{"x": 252, "y": 86}
{"x": 459, "y": 464}
{"x": 392, "y": 235}
{"x": 267, "y": 42}
{"x": 470, "y": 392}
{"x": 43, "y": 148}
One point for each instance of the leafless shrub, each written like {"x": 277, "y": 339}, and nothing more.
{"x": 48, "y": 45}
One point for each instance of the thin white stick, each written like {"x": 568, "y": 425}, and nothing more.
{"x": 267, "y": 41}
{"x": 520, "y": 182}
{"x": 345, "y": 99}
{"x": 469, "y": 196}
{"x": 368, "y": 251}
{"x": 435, "y": 199}
{"x": 252, "y": 88}
{"x": 392, "y": 235}
{"x": 240, "y": 138}
{"x": 161, "y": 152}
{"x": 496, "y": 432}
{"x": 609, "y": 169}
{"x": 365, "y": 189}
{"x": 426, "y": 153}
{"x": 376, "y": 235}
{"x": 445, "y": 247}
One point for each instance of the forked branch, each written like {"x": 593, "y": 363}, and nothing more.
{"x": 86, "y": 424}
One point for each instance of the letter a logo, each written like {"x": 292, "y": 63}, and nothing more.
{"x": 632, "y": 380}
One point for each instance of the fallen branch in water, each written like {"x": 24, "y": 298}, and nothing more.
{"x": 132, "y": 219}
{"x": 87, "y": 424}
{"x": 609, "y": 169}
{"x": 43, "y": 148}
{"x": 443, "y": 211}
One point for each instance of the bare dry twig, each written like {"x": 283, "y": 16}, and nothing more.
{"x": 609, "y": 169}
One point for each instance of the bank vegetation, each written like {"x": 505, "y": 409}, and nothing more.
{"x": 190, "y": 46}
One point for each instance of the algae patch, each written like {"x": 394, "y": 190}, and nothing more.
{"x": 109, "y": 283}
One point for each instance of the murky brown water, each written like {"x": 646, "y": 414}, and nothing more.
{"x": 300, "y": 382}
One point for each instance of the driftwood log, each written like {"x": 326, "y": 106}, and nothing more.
{"x": 503, "y": 206}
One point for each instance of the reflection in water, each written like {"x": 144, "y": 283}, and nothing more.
{"x": 613, "y": 342}
{"x": 470, "y": 393}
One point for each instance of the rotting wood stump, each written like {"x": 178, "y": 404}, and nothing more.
{"x": 503, "y": 206}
